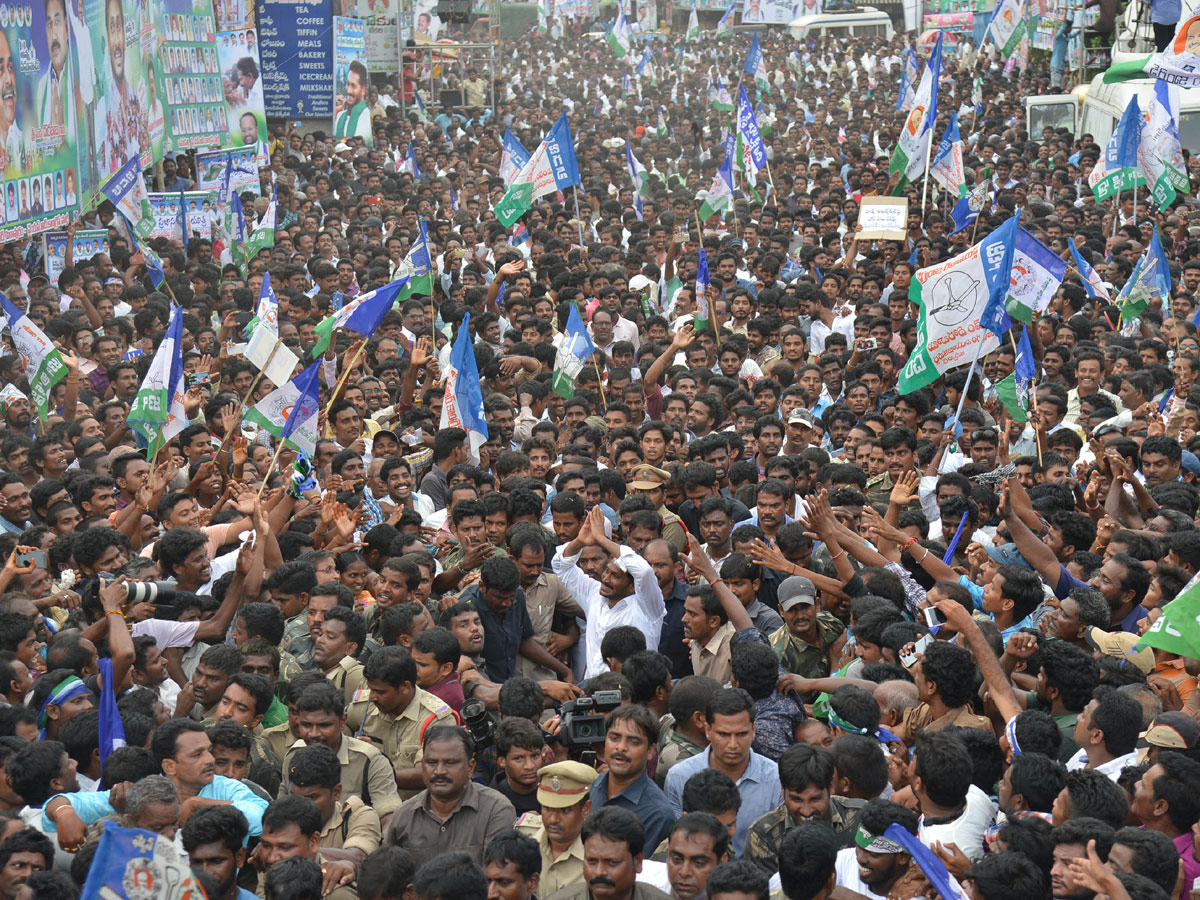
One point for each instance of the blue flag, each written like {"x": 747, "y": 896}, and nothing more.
{"x": 368, "y": 310}
{"x": 112, "y": 731}
{"x": 153, "y": 264}
{"x": 949, "y": 556}
{"x": 1025, "y": 371}
{"x": 943, "y": 882}
{"x": 133, "y": 864}
{"x": 995, "y": 316}
{"x": 968, "y": 208}
{"x": 462, "y": 404}
{"x": 308, "y": 402}
{"x": 453, "y": 199}
{"x": 1088, "y": 275}
{"x": 754, "y": 57}
{"x": 560, "y": 148}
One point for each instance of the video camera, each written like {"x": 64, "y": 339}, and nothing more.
{"x": 583, "y": 722}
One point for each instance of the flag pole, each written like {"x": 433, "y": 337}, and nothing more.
{"x": 246, "y": 399}
{"x": 600, "y": 378}
{"x": 341, "y": 382}
{"x": 271, "y": 468}
{"x": 578, "y": 220}
{"x": 924, "y": 184}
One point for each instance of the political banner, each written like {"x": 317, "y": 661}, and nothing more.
{"x": 296, "y": 48}
{"x": 245, "y": 122}
{"x": 777, "y": 12}
{"x": 383, "y": 35}
{"x": 167, "y": 218}
{"x": 351, "y": 118}
{"x": 43, "y": 127}
{"x": 88, "y": 242}
{"x": 179, "y": 56}
{"x": 242, "y": 165}
{"x": 427, "y": 25}
{"x": 235, "y": 15}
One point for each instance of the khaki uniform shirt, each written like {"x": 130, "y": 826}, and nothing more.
{"x": 713, "y": 657}
{"x": 557, "y": 872}
{"x": 543, "y": 599}
{"x": 349, "y": 678}
{"x": 641, "y": 891}
{"x": 345, "y": 892}
{"x": 366, "y": 774}
{"x": 481, "y": 814}
{"x": 280, "y": 738}
{"x": 353, "y": 826}
{"x": 399, "y": 737}
{"x": 673, "y": 529}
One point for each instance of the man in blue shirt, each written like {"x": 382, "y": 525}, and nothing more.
{"x": 632, "y": 732}
{"x": 183, "y": 749}
{"x": 729, "y": 724}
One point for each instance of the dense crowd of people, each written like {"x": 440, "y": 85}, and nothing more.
{"x": 722, "y": 616}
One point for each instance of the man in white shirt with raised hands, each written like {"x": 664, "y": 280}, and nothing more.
{"x": 626, "y": 594}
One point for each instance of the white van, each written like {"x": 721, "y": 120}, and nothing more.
{"x": 1096, "y": 109}
{"x": 866, "y": 21}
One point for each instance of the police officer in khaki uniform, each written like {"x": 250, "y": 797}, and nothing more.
{"x": 366, "y": 772}
{"x": 649, "y": 480}
{"x": 336, "y": 650}
{"x": 396, "y": 713}
{"x": 564, "y": 793}
{"x": 351, "y": 830}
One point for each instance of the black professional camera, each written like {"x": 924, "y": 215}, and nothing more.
{"x": 583, "y": 719}
{"x": 478, "y": 722}
{"x": 160, "y": 593}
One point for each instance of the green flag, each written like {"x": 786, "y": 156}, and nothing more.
{"x": 1006, "y": 390}
{"x": 1177, "y": 630}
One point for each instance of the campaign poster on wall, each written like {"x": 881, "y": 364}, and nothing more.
{"x": 167, "y": 217}
{"x": 242, "y": 164}
{"x": 383, "y": 34}
{"x": 234, "y": 15}
{"x": 88, "y": 242}
{"x": 351, "y": 117}
{"x": 182, "y": 52}
{"x": 43, "y": 116}
{"x": 246, "y": 118}
{"x": 296, "y": 48}
{"x": 770, "y": 12}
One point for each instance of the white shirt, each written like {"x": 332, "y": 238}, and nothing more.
{"x": 1112, "y": 768}
{"x": 967, "y": 830}
{"x": 644, "y": 609}
{"x": 846, "y": 868}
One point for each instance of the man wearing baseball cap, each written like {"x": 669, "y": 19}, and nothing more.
{"x": 564, "y": 794}
{"x": 808, "y": 634}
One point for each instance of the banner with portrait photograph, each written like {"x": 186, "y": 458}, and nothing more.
{"x": 124, "y": 107}
{"x": 351, "y": 117}
{"x": 383, "y": 33}
{"x": 88, "y": 242}
{"x": 43, "y": 115}
{"x": 234, "y": 15}
{"x": 182, "y": 51}
{"x": 243, "y": 165}
{"x": 167, "y": 217}
{"x": 245, "y": 116}
{"x": 776, "y": 12}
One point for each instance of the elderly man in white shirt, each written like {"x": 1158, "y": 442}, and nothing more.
{"x": 626, "y": 594}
